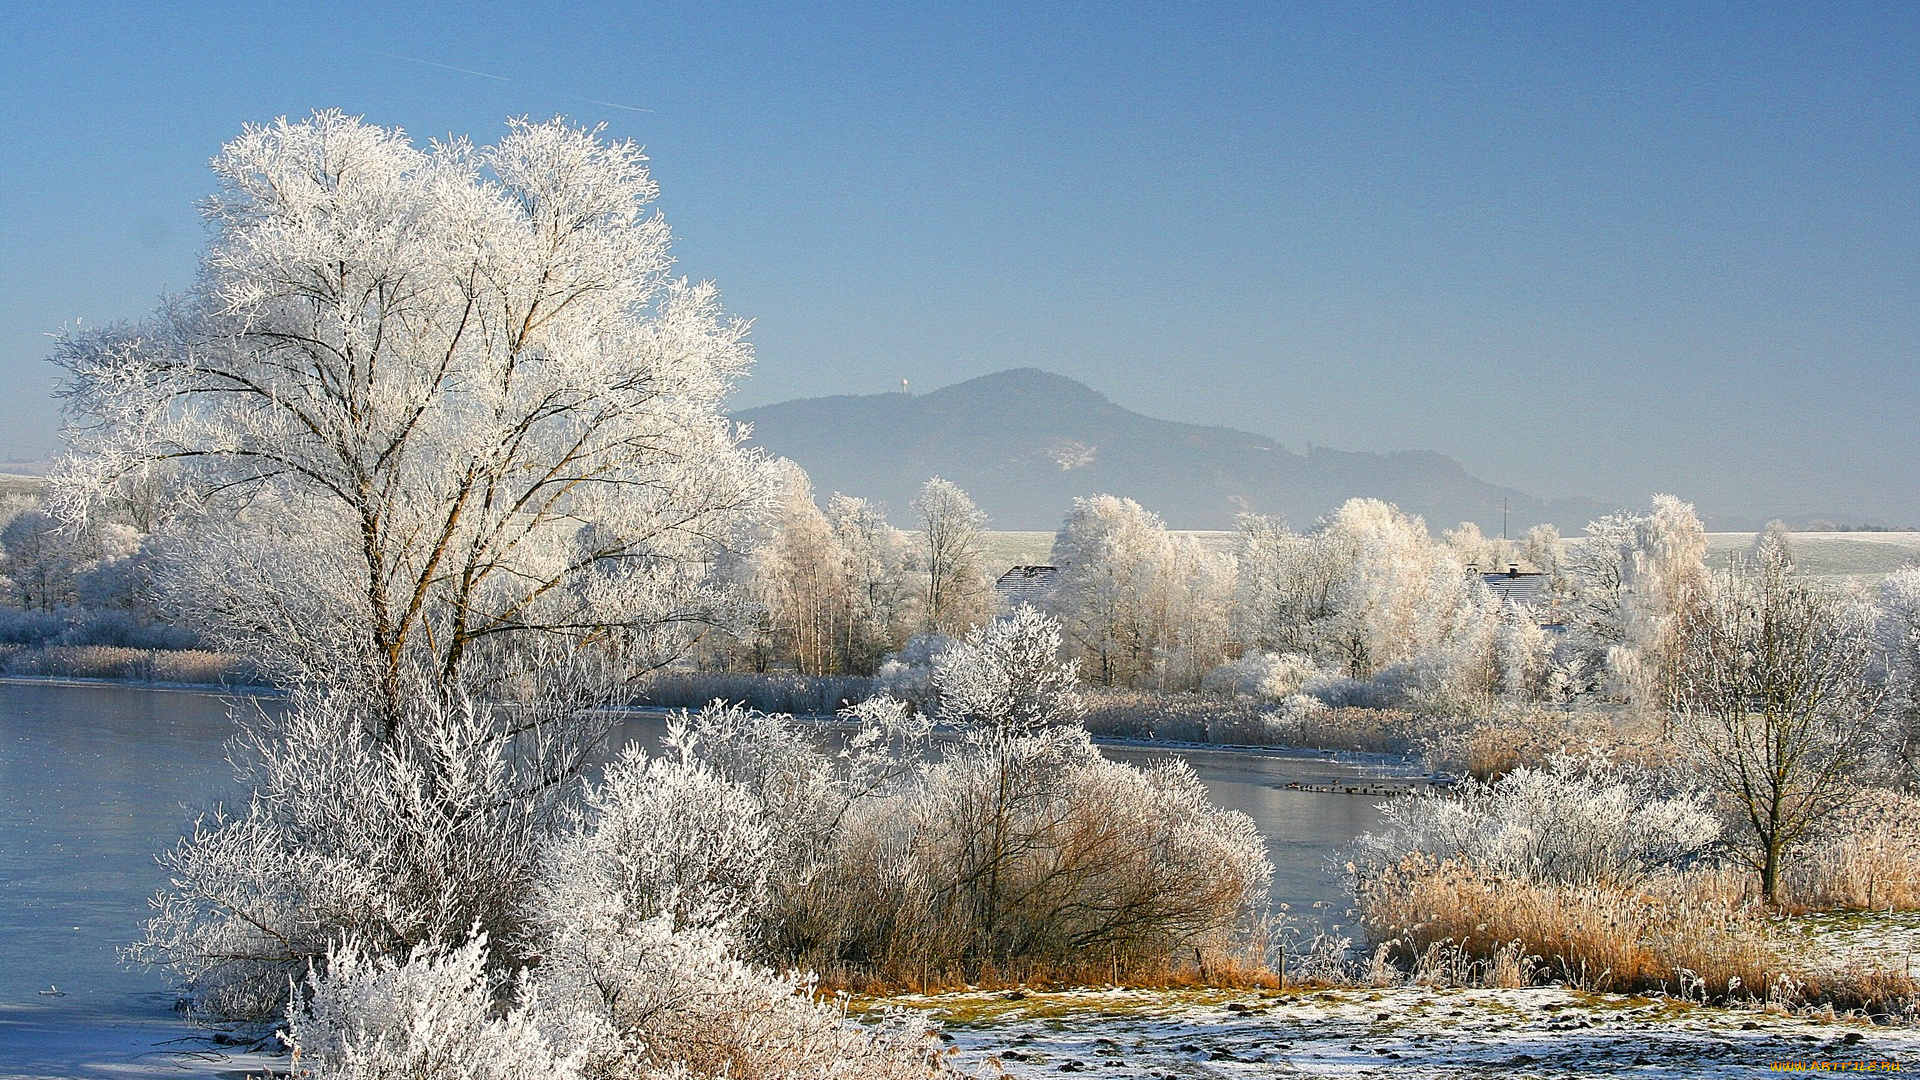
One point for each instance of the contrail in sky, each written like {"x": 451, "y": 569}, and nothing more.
{"x": 500, "y": 78}
{"x": 446, "y": 67}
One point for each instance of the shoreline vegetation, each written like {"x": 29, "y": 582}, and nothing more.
{"x": 197, "y": 668}
{"x": 1702, "y": 936}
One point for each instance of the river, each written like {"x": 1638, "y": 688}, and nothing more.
{"x": 97, "y": 779}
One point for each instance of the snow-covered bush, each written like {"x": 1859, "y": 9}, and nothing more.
{"x": 1019, "y": 845}
{"x": 778, "y": 765}
{"x": 433, "y": 1016}
{"x": 907, "y": 675}
{"x": 414, "y": 839}
{"x": 642, "y": 998}
{"x": 1579, "y": 821}
{"x": 631, "y": 962}
{"x": 669, "y": 837}
{"x": 1022, "y": 849}
{"x": 1008, "y": 674}
{"x": 31, "y": 627}
{"x": 610, "y": 1001}
{"x": 1262, "y": 676}
{"x": 640, "y": 960}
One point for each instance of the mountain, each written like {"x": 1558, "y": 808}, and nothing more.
{"x": 1023, "y": 443}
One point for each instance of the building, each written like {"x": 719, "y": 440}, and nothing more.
{"x": 1024, "y": 584}
{"x": 1523, "y": 591}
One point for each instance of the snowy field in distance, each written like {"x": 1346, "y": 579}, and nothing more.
{"x": 1834, "y": 556}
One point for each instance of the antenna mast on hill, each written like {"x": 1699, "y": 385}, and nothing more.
{"x": 1503, "y": 517}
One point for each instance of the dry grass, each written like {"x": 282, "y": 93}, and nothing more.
{"x": 1202, "y": 718}
{"x": 1201, "y": 970}
{"x": 1491, "y": 746}
{"x": 773, "y": 692}
{"x": 188, "y": 666}
{"x": 1869, "y": 861}
{"x": 1697, "y": 934}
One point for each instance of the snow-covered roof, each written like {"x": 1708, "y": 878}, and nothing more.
{"x": 1518, "y": 588}
{"x": 1023, "y": 584}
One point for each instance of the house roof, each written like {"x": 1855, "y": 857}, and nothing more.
{"x": 1518, "y": 587}
{"x": 1024, "y": 583}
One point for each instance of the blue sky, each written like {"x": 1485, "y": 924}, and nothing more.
{"x": 1592, "y": 250}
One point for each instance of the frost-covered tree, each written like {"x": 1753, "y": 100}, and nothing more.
{"x": 1370, "y": 591}
{"x": 794, "y": 574}
{"x": 1008, "y": 675}
{"x": 875, "y": 560}
{"x": 1631, "y": 578}
{"x": 48, "y": 567}
{"x": 1897, "y": 632}
{"x": 423, "y": 404}
{"x": 959, "y": 585}
{"x": 833, "y": 588}
{"x": 1541, "y": 546}
{"x": 1135, "y": 602}
{"x": 1269, "y": 600}
{"x": 443, "y": 448}
{"x": 1773, "y": 702}
{"x": 1488, "y": 554}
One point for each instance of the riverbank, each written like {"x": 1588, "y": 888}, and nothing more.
{"x": 117, "y": 664}
{"x": 1400, "y": 1031}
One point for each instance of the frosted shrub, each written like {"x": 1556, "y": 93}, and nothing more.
{"x": 1008, "y": 674}
{"x": 1578, "y": 821}
{"x": 1261, "y": 676}
{"x": 642, "y": 998}
{"x": 428, "y": 1018}
{"x": 644, "y": 1003}
{"x": 414, "y": 841}
{"x": 670, "y": 837}
{"x": 1020, "y": 845}
{"x": 803, "y": 792}
{"x": 1028, "y": 849}
{"x": 636, "y": 932}
{"x": 907, "y": 675}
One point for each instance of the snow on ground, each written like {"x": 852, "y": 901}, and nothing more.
{"x": 1854, "y": 939}
{"x": 1405, "y": 1031}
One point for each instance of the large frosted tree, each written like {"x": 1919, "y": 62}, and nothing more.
{"x": 426, "y": 406}
{"x": 1367, "y": 588}
{"x": 1632, "y": 579}
{"x": 441, "y": 444}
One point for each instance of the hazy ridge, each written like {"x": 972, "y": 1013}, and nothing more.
{"x": 1025, "y": 442}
